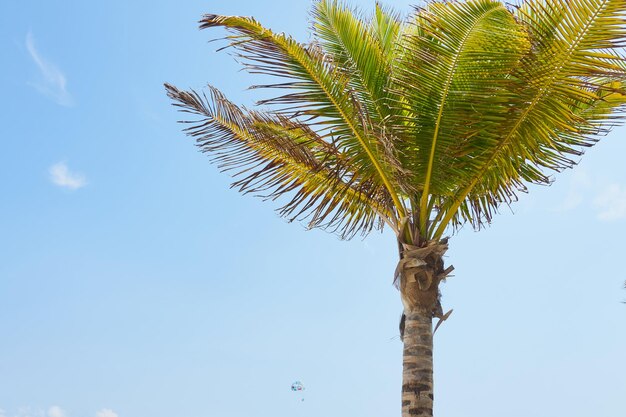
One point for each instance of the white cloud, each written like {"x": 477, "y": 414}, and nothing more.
{"x": 61, "y": 175}
{"x": 53, "y": 411}
{"x": 608, "y": 200}
{"x": 30, "y": 412}
{"x": 611, "y": 202}
{"x": 578, "y": 183}
{"x": 52, "y": 82}
{"x": 56, "y": 411}
{"x": 105, "y": 412}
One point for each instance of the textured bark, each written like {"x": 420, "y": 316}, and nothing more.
{"x": 419, "y": 272}
{"x": 417, "y": 365}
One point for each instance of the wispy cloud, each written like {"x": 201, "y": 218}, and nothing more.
{"x": 105, "y": 412}
{"x": 61, "y": 175}
{"x": 29, "y": 412}
{"x": 606, "y": 198}
{"x": 56, "y": 411}
{"x": 611, "y": 202}
{"x": 52, "y": 81}
{"x": 53, "y": 411}
{"x": 578, "y": 185}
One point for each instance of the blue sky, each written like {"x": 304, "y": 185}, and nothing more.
{"x": 134, "y": 282}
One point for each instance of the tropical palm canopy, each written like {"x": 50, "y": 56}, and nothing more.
{"x": 421, "y": 123}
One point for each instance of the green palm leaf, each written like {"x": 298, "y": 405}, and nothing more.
{"x": 358, "y": 48}
{"x": 276, "y": 156}
{"x": 454, "y": 74}
{"x": 562, "y": 81}
{"x": 321, "y": 91}
{"x": 387, "y": 28}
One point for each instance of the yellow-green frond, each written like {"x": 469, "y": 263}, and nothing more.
{"x": 563, "y": 81}
{"x": 387, "y": 28}
{"x": 273, "y": 157}
{"x": 354, "y": 48}
{"x": 455, "y": 72}
{"x": 321, "y": 91}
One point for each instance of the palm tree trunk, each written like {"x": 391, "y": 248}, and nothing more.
{"x": 417, "y": 365}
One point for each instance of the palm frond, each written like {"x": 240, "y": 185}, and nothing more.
{"x": 574, "y": 56}
{"x": 455, "y": 75}
{"x": 387, "y": 28}
{"x": 356, "y": 47}
{"x": 322, "y": 92}
{"x": 274, "y": 156}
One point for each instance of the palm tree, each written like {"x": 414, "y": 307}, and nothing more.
{"x": 420, "y": 124}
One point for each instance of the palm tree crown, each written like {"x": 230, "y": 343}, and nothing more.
{"x": 426, "y": 122}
